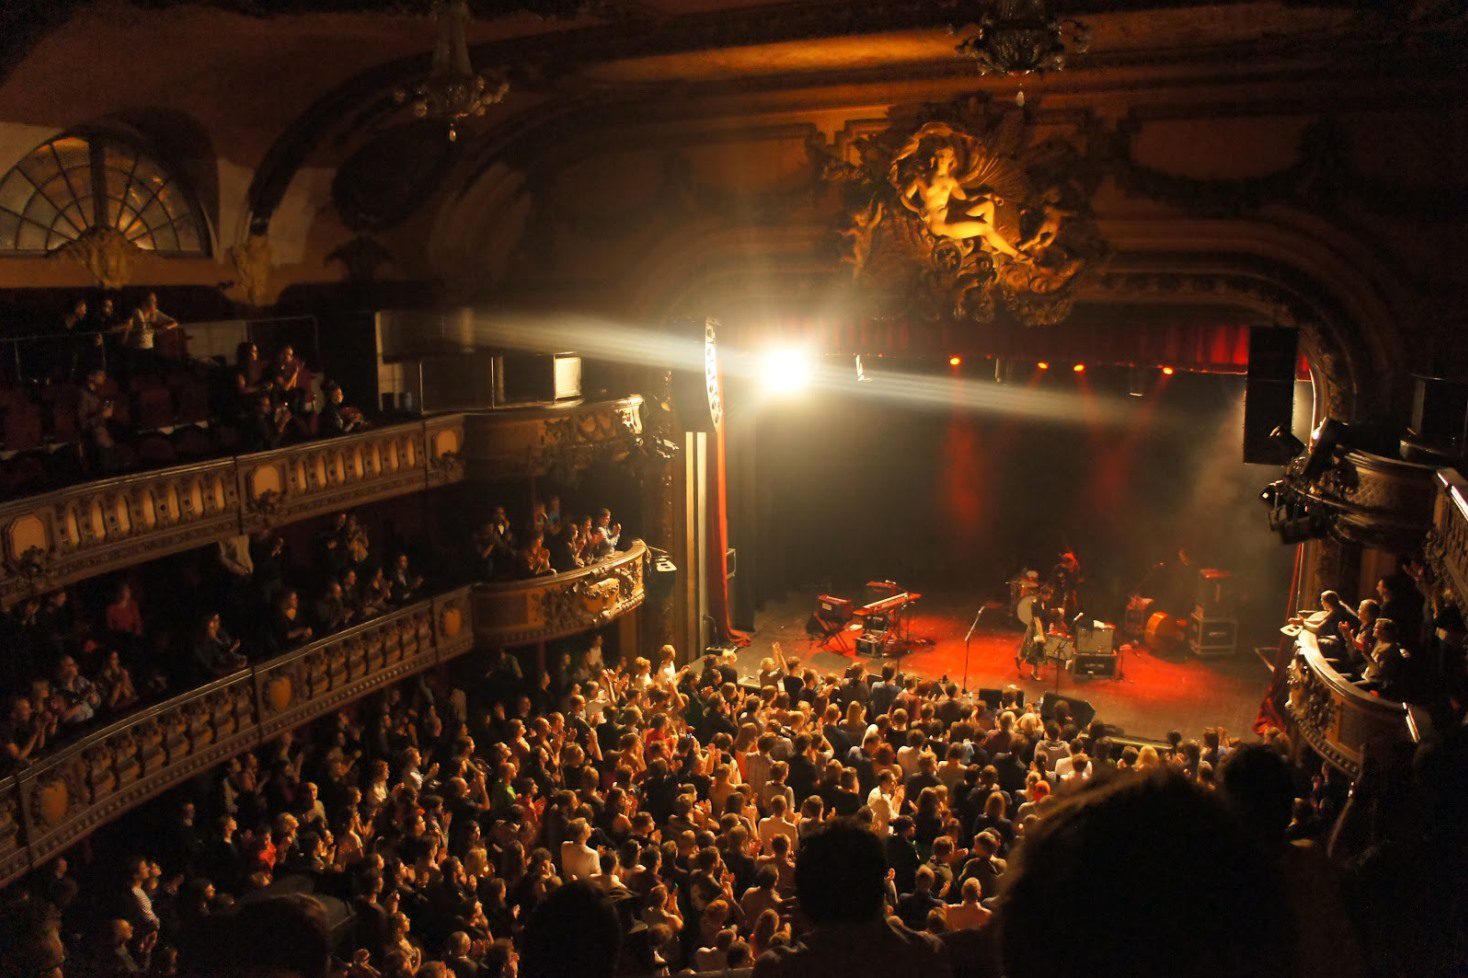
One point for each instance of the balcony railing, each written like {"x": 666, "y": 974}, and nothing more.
{"x": 535, "y": 441}
{"x": 59, "y": 800}
{"x": 557, "y": 605}
{"x": 60, "y": 537}
{"x": 1337, "y": 718}
{"x": 1447, "y": 543}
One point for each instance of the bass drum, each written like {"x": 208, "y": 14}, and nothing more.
{"x": 1162, "y": 631}
{"x": 1024, "y": 609}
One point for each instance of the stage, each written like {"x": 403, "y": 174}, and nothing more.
{"x": 1155, "y": 694}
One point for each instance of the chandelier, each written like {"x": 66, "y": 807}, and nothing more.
{"x": 1016, "y": 37}
{"x": 453, "y": 91}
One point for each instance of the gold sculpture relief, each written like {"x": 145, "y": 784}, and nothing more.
{"x": 106, "y": 255}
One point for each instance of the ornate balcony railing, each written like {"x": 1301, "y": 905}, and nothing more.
{"x": 54, "y": 539}
{"x": 59, "y": 800}
{"x": 1335, "y": 717}
{"x": 535, "y": 441}
{"x": 1447, "y": 543}
{"x": 557, "y": 605}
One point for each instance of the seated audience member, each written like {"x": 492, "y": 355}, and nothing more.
{"x": 1358, "y": 636}
{"x": 404, "y": 583}
{"x": 288, "y": 380}
{"x": 78, "y": 698}
{"x": 287, "y": 630}
{"x": 1388, "y": 664}
{"x": 564, "y": 544}
{"x": 122, "y": 618}
{"x": 329, "y": 612}
{"x": 605, "y": 535}
{"x": 94, "y": 411}
{"x": 116, "y": 683}
{"x": 1179, "y": 924}
{"x": 336, "y": 417}
{"x": 969, "y": 913}
{"x": 839, "y": 883}
{"x": 23, "y": 734}
{"x": 215, "y": 652}
{"x": 267, "y": 425}
{"x": 1400, "y": 602}
{"x": 533, "y": 560}
{"x": 376, "y": 594}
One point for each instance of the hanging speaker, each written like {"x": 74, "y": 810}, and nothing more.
{"x": 697, "y": 403}
{"x": 662, "y": 576}
{"x": 1269, "y": 391}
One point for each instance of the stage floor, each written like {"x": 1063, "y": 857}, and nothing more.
{"x": 1155, "y": 694}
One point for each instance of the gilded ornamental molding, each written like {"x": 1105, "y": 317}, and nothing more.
{"x": 559, "y": 440}
{"x": 54, "y": 803}
{"x": 557, "y": 605}
{"x": 1338, "y": 720}
{"x": 51, "y": 540}
{"x": 1446, "y": 548}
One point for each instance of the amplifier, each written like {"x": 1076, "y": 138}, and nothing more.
{"x": 1097, "y": 637}
{"x": 1215, "y": 591}
{"x": 833, "y": 610}
{"x": 1094, "y": 664}
{"x": 1212, "y": 636}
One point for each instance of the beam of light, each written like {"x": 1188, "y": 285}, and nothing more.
{"x": 614, "y": 342}
{"x": 786, "y": 370}
{"x": 955, "y": 361}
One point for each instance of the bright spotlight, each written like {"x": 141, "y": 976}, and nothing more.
{"x": 1168, "y": 371}
{"x": 786, "y": 370}
{"x": 1079, "y": 368}
{"x": 955, "y": 360}
{"x": 1043, "y": 365}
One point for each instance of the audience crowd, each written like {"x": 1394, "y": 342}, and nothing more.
{"x": 125, "y": 391}
{"x": 651, "y": 819}
{"x": 549, "y": 544}
{"x": 72, "y": 664}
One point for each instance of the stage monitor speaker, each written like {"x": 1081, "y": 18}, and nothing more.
{"x": 697, "y": 402}
{"x": 993, "y": 697}
{"x": 1094, "y": 665}
{"x": 1269, "y": 391}
{"x": 1081, "y": 711}
{"x": 663, "y": 576}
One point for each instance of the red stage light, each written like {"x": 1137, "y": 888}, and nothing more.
{"x": 1079, "y": 368}
{"x": 955, "y": 360}
{"x": 1168, "y": 371}
{"x": 1043, "y": 365}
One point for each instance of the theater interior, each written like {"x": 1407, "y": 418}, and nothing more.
{"x": 464, "y": 463}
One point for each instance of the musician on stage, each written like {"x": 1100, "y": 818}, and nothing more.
{"x": 1032, "y": 647}
{"x": 1065, "y": 582}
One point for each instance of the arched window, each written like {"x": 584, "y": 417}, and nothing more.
{"x": 76, "y": 182}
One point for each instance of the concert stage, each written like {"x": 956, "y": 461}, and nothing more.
{"x": 1155, "y": 694}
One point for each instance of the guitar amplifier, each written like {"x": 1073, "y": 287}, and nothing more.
{"x": 1094, "y": 664}
{"x": 1097, "y": 637}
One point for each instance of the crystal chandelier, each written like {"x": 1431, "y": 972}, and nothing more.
{"x": 1016, "y": 37}
{"x": 452, "y": 92}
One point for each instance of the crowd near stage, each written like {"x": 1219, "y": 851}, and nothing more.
{"x": 1156, "y": 691}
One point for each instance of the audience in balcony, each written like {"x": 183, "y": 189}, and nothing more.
{"x": 549, "y": 544}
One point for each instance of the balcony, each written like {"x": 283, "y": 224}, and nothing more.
{"x": 1335, "y": 717}
{"x": 51, "y": 540}
{"x": 59, "y": 800}
{"x": 1447, "y": 543}
{"x": 558, "y": 605}
{"x": 518, "y": 444}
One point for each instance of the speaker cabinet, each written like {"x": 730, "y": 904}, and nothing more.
{"x": 1212, "y": 636}
{"x": 993, "y": 697}
{"x": 1269, "y": 391}
{"x": 662, "y": 576}
{"x": 1081, "y": 711}
{"x": 1440, "y": 412}
{"x": 1094, "y": 665}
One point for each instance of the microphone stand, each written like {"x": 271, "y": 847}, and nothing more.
{"x": 966, "y": 640}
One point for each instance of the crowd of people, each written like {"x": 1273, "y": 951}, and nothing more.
{"x": 1393, "y": 643}
{"x": 549, "y": 543}
{"x": 72, "y": 664}
{"x": 104, "y": 381}
{"x": 651, "y": 819}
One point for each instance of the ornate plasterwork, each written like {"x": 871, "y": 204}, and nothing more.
{"x": 959, "y": 208}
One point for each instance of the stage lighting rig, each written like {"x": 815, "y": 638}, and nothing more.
{"x": 786, "y": 370}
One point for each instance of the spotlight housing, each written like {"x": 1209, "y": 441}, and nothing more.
{"x": 786, "y": 370}
{"x": 1079, "y": 368}
{"x": 1168, "y": 371}
{"x": 1043, "y": 365}
{"x": 955, "y": 360}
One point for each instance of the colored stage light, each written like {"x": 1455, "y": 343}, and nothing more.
{"x": 1079, "y": 368}
{"x": 1168, "y": 371}
{"x": 786, "y": 370}
{"x": 955, "y": 360}
{"x": 1043, "y": 365}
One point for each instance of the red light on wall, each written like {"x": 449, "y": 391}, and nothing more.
{"x": 1168, "y": 371}
{"x": 1079, "y": 368}
{"x": 955, "y": 360}
{"x": 1043, "y": 365}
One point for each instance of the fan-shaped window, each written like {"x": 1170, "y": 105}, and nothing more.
{"x": 73, "y": 183}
